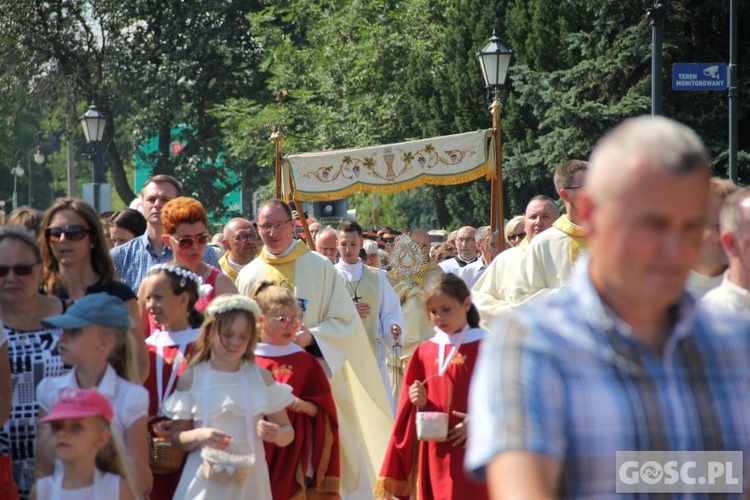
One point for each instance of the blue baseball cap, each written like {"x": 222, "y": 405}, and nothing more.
{"x": 95, "y": 309}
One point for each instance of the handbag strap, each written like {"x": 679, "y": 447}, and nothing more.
{"x": 450, "y": 392}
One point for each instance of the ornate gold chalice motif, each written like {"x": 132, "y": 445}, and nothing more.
{"x": 388, "y": 157}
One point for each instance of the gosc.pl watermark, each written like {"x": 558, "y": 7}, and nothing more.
{"x": 679, "y": 472}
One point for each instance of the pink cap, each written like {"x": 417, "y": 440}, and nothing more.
{"x": 80, "y": 403}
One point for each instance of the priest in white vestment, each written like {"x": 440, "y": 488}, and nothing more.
{"x": 333, "y": 332}
{"x": 490, "y": 292}
{"x": 548, "y": 262}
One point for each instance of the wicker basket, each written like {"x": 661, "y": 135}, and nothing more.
{"x": 163, "y": 457}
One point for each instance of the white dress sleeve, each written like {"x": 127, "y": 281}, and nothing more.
{"x": 180, "y": 405}
{"x": 278, "y": 397}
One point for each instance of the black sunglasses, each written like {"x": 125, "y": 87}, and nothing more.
{"x": 187, "y": 241}
{"x": 18, "y": 269}
{"x": 72, "y": 233}
{"x": 517, "y": 236}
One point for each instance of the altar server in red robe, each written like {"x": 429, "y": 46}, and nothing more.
{"x": 309, "y": 467}
{"x": 168, "y": 294}
{"x": 436, "y": 381}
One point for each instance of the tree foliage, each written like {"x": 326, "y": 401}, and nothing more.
{"x": 349, "y": 73}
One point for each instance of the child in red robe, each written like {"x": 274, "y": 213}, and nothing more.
{"x": 168, "y": 294}
{"x": 436, "y": 380}
{"x": 310, "y": 465}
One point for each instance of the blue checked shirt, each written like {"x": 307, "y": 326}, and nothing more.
{"x": 566, "y": 379}
{"x": 134, "y": 259}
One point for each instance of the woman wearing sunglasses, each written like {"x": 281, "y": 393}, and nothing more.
{"x": 31, "y": 348}
{"x": 514, "y": 231}
{"x": 185, "y": 225}
{"x": 76, "y": 262}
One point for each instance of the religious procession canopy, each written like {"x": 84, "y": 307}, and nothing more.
{"x": 446, "y": 160}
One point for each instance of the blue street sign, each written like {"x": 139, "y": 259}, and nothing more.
{"x": 699, "y": 76}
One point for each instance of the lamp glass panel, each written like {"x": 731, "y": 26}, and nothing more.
{"x": 39, "y": 158}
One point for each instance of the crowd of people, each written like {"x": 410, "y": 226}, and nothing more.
{"x": 139, "y": 355}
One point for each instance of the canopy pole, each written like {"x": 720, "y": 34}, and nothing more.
{"x": 278, "y": 138}
{"x": 303, "y": 220}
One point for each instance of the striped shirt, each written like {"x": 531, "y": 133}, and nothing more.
{"x": 567, "y": 379}
{"x": 134, "y": 259}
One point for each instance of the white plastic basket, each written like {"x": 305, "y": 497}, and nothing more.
{"x": 433, "y": 425}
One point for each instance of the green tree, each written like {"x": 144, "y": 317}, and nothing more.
{"x": 147, "y": 66}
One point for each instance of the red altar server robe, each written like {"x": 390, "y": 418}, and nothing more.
{"x": 435, "y": 469}
{"x": 316, "y": 440}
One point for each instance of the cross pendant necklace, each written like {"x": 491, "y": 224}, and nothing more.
{"x": 354, "y": 289}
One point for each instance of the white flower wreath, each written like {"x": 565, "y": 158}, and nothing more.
{"x": 224, "y": 303}
{"x": 185, "y": 274}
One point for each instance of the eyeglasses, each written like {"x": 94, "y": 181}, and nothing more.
{"x": 574, "y": 186}
{"x": 188, "y": 241}
{"x": 242, "y": 238}
{"x": 288, "y": 320}
{"x": 18, "y": 269}
{"x": 517, "y": 236}
{"x": 274, "y": 225}
{"x": 72, "y": 233}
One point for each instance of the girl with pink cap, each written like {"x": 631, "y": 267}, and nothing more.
{"x": 92, "y": 467}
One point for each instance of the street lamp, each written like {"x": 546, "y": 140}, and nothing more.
{"x": 39, "y": 159}
{"x": 494, "y": 60}
{"x": 94, "y": 123}
{"x": 656, "y": 11}
{"x": 17, "y": 172}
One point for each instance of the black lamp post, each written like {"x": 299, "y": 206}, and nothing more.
{"x": 494, "y": 60}
{"x": 93, "y": 123}
{"x": 656, "y": 11}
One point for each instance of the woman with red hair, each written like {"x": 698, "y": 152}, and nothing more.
{"x": 185, "y": 231}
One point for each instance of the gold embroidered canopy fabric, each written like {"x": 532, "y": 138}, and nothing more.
{"x": 328, "y": 175}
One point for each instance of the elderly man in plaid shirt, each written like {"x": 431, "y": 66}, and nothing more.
{"x": 623, "y": 359}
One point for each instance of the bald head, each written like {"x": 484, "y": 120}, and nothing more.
{"x": 240, "y": 240}
{"x": 656, "y": 142}
{"x": 541, "y": 213}
{"x": 325, "y": 243}
{"x": 422, "y": 238}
